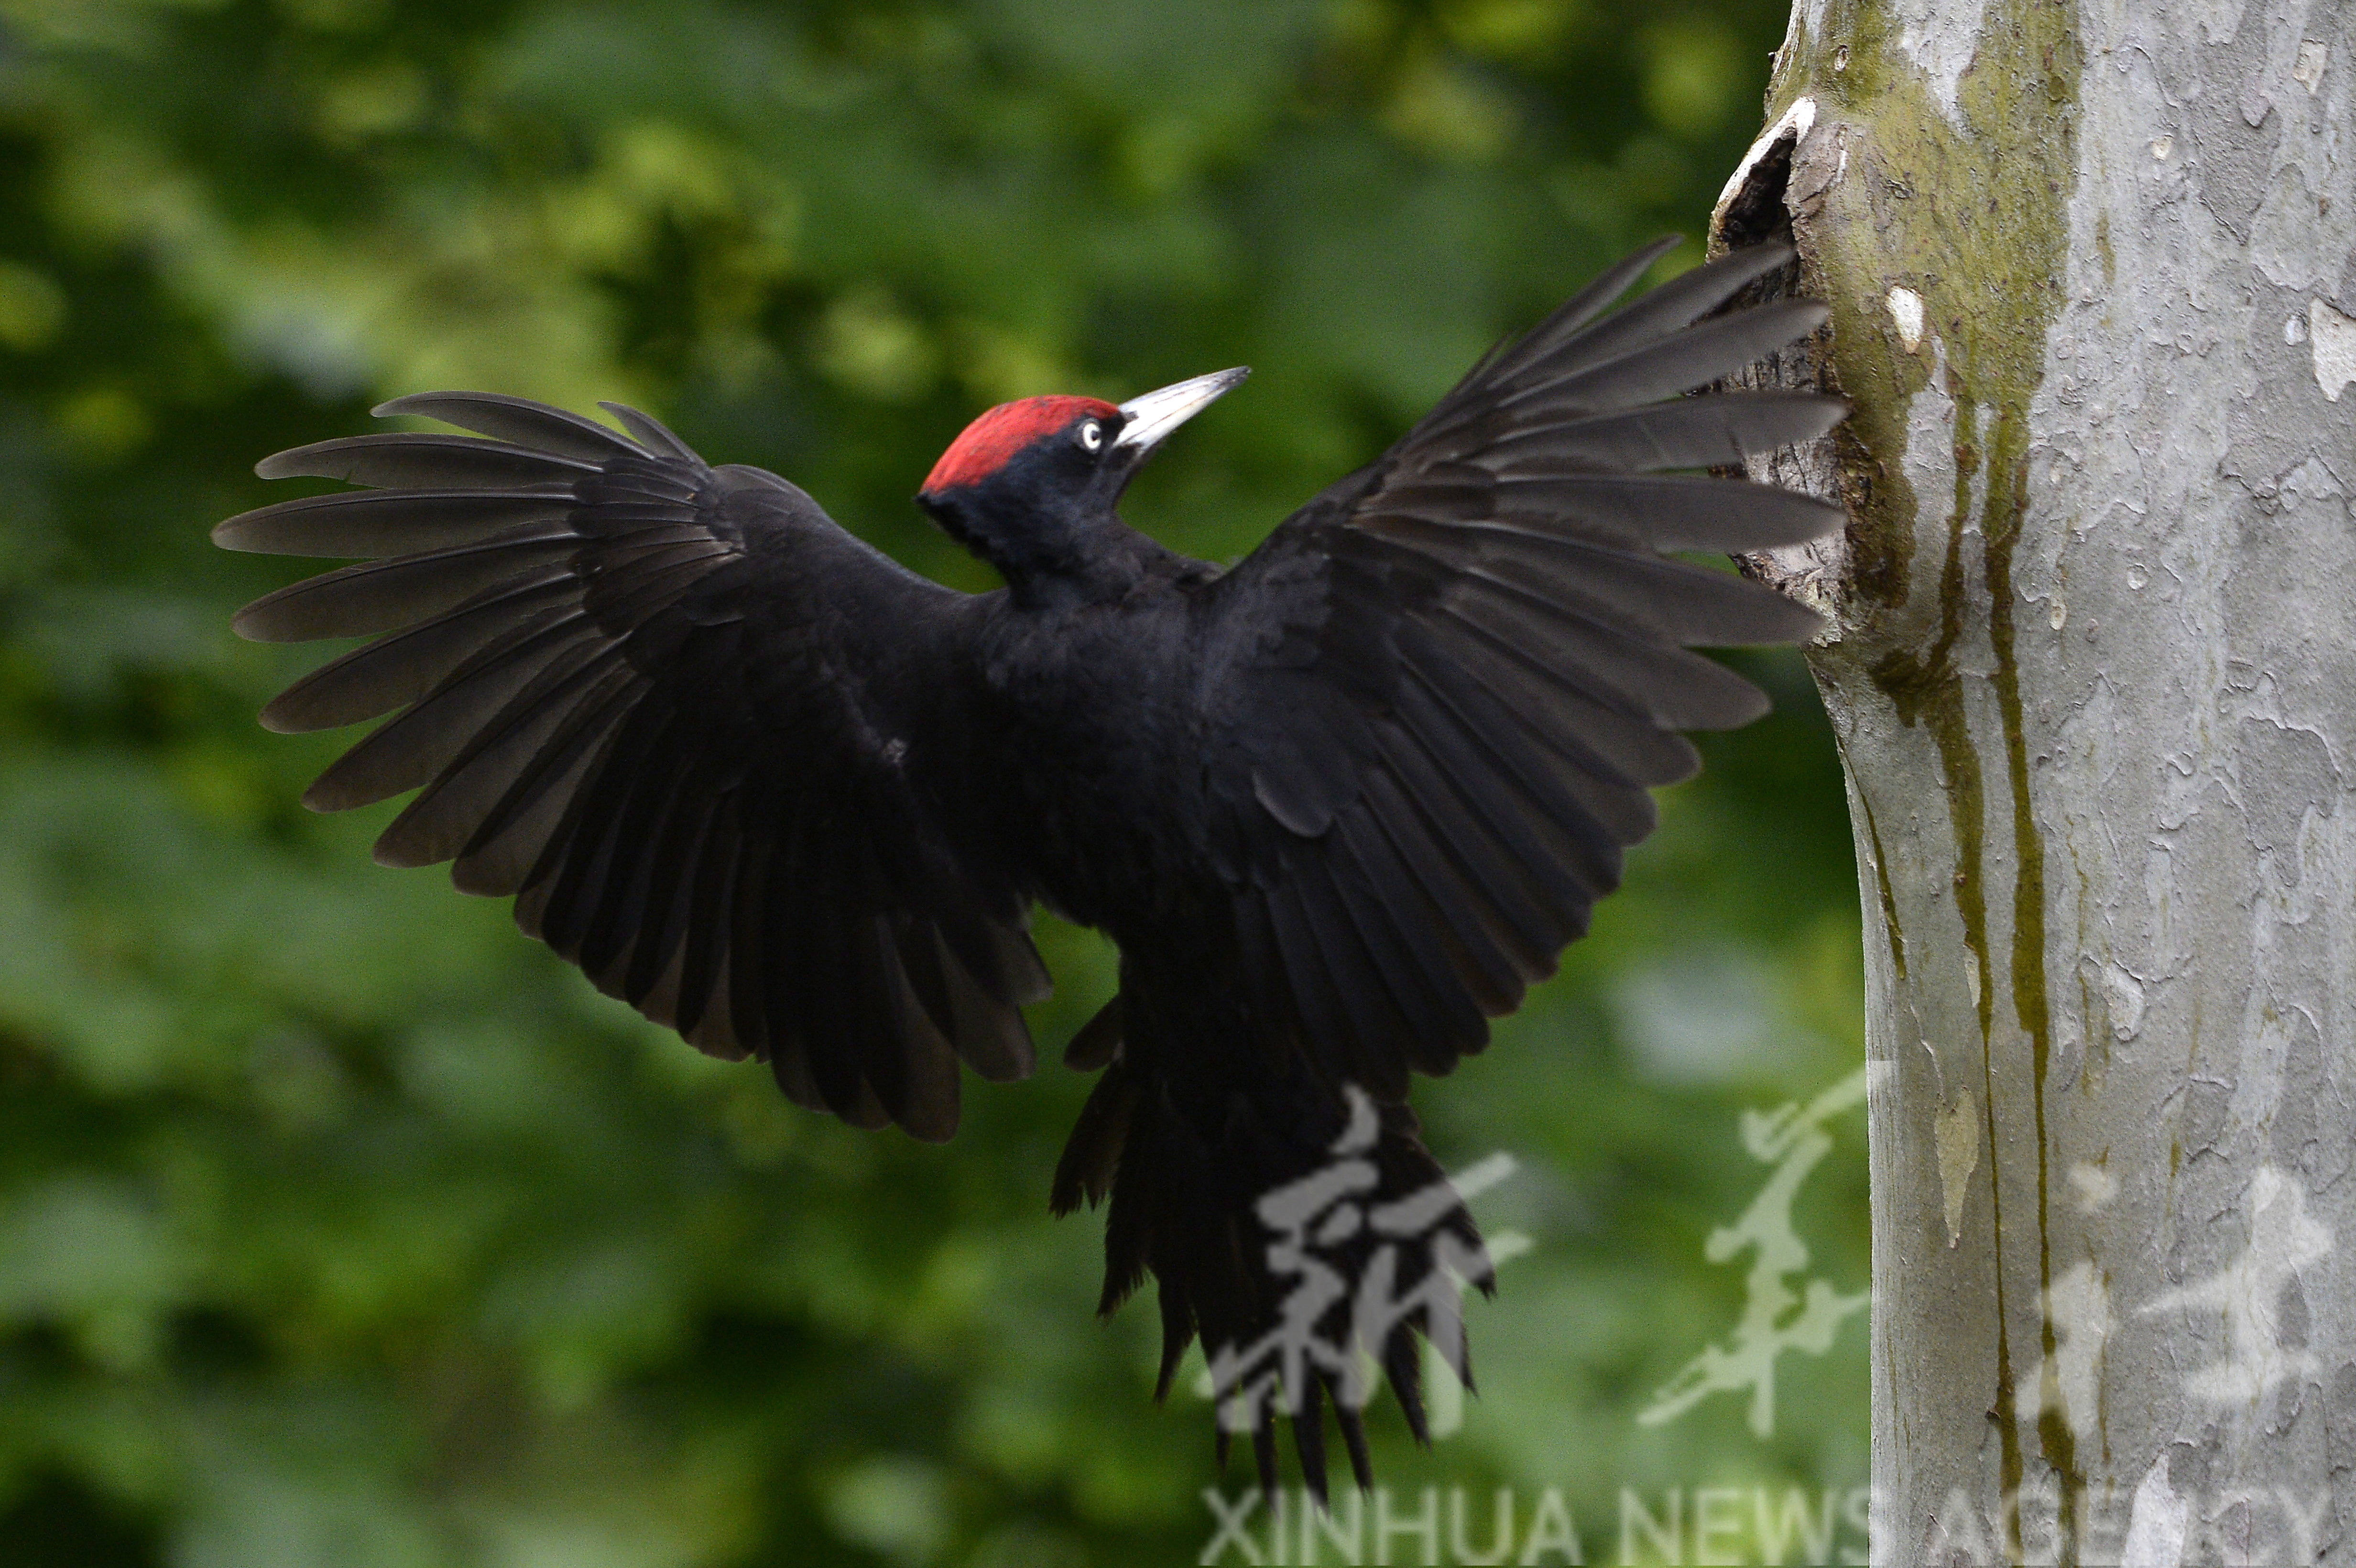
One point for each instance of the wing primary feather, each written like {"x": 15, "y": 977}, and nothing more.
{"x": 886, "y": 1059}
{"x": 656, "y": 541}
{"x": 1674, "y": 511}
{"x": 449, "y": 811}
{"x": 748, "y": 942}
{"x": 631, "y": 904}
{"x": 1396, "y": 916}
{"x": 1577, "y": 311}
{"x": 624, "y": 602}
{"x": 1693, "y": 357}
{"x": 936, "y": 1107}
{"x": 1332, "y": 1036}
{"x": 496, "y": 864}
{"x": 586, "y": 853}
{"x": 1097, "y": 1041}
{"x": 413, "y": 746}
{"x": 651, "y": 433}
{"x": 375, "y": 524}
{"x": 715, "y": 892}
{"x": 1460, "y": 829}
{"x": 751, "y": 957}
{"x": 1416, "y": 1028}
{"x": 1628, "y": 596}
{"x": 1500, "y": 741}
{"x": 1664, "y": 685}
{"x": 379, "y": 596}
{"x": 809, "y": 958}
{"x": 919, "y": 957}
{"x": 504, "y": 846}
{"x": 792, "y": 946}
{"x": 1502, "y": 798}
{"x": 869, "y": 993}
{"x": 638, "y": 481}
{"x": 715, "y": 1032}
{"x": 518, "y": 419}
{"x": 1716, "y": 429}
{"x": 1624, "y": 597}
{"x": 630, "y": 520}
{"x": 1481, "y": 953}
{"x": 991, "y": 1033}
{"x": 1676, "y": 304}
{"x": 1614, "y": 746}
{"x": 1007, "y": 971}
{"x": 672, "y": 866}
{"x": 629, "y": 923}
{"x": 589, "y": 910}
{"x": 1354, "y": 972}
{"x": 418, "y": 461}
{"x": 913, "y": 1054}
{"x": 1564, "y": 595}
{"x": 403, "y": 666}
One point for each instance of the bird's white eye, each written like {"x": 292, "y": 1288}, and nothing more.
{"x": 1091, "y": 435}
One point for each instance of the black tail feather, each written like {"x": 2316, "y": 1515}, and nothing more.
{"x": 1308, "y": 1235}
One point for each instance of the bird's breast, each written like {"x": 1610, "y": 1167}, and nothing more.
{"x": 1104, "y": 751}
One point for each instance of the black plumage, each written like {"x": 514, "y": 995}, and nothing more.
{"x": 1338, "y": 806}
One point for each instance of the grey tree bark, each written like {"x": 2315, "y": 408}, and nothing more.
{"x": 2092, "y": 663}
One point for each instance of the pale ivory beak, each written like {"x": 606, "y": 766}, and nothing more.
{"x": 1146, "y": 419}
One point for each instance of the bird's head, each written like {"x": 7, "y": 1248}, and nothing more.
{"x": 1030, "y": 486}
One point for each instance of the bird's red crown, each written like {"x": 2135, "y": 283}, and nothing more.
{"x": 990, "y": 440}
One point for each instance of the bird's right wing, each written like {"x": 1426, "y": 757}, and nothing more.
{"x": 712, "y": 743}
{"x": 1443, "y": 690}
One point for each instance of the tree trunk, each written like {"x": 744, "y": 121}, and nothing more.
{"x": 2093, "y": 665}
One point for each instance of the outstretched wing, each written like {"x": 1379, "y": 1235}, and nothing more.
{"x": 1449, "y": 681}
{"x": 712, "y": 742}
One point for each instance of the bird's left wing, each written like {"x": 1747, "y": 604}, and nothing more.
{"x": 1440, "y": 693}
{"x": 712, "y": 743}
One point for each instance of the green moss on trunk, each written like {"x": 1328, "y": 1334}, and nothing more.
{"x": 1969, "y": 213}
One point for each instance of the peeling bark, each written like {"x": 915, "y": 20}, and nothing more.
{"x": 2092, "y": 662}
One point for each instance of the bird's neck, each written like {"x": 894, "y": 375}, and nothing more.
{"x": 1058, "y": 561}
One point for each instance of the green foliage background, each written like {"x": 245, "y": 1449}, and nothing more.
{"x": 339, "y": 1225}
